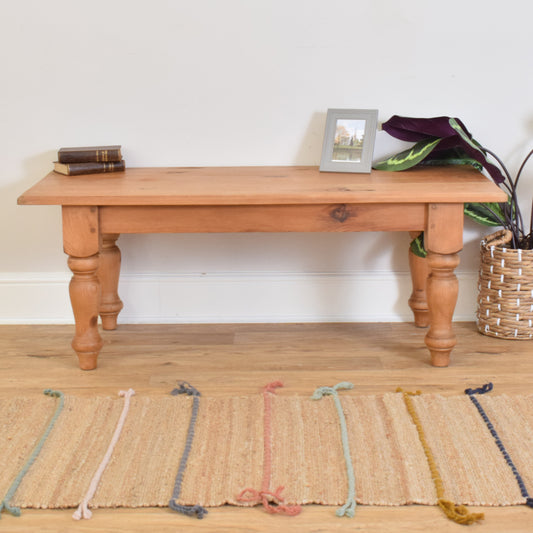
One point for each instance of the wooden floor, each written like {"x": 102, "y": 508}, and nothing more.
{"x": 240, "y": 359}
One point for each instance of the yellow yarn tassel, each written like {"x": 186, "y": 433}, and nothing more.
{"x": 457, "y": 513}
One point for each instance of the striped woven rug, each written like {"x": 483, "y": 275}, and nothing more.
{"x": 298, "y": 444}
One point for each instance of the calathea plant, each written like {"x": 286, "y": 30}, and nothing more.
{"x": 446, "y": 141}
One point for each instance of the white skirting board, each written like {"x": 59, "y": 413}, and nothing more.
{"x": 234, "y": 297}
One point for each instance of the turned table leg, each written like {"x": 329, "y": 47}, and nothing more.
{"x": 443, "y": 240}
{"x": 81, "y": 241}
{"x": 85, "y": 297}
{"x": 442, "y": 291}
{"x": 419, "y": 276}
{"x": 108, "y": 274}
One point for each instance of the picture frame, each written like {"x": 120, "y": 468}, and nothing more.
{"x": 349, "y": 140}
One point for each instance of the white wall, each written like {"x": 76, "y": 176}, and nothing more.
{"x": 253, "y": 79}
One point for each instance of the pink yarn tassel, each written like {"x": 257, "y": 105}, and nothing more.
{"x": 83, "y": 509}
{"x": 272, "y": 500}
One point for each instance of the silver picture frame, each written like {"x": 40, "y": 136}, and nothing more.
{"x": 349, "y": 140}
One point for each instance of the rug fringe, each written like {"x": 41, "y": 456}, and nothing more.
{"x": 348, "y": 509}
{"x": 272, "y": 501}
{"x": 484, "y": 390}
{"x": 4, "y": 504}
{"x": 189, "y": 510}
{"x": 457, "y": 513}
{"x": 83, "y": 509}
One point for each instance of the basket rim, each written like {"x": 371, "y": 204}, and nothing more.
{"x": 498, "y": 238}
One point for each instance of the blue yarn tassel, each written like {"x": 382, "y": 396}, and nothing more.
{"x": 483, "y": 390}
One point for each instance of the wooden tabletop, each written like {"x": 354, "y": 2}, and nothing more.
{"x": 263, "y": 186}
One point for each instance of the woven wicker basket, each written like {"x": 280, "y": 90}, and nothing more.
{"x": 505, "y": 305}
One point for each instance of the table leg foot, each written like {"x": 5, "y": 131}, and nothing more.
{"x": 442, "y": 291}
{"x": 87, "y": 361}
{"x": 421, "y": 316}
{"x": 440, "y": 358}
{"x": 108, "y": 274}
{"x": 85, "y": 298}
{"x": 418, "y": 300}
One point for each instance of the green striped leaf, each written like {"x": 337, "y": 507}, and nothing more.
{"x": 408, "y": 158}
{"x": 477, "y": 152}
{"x": 488, "y": 214}
{"x": 471, "y": 142}
{"x": 452, "y": 156}
{"x": 452, "y": 161}
{"x": 417, "y": 246}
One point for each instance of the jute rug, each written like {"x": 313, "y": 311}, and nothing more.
{"x": 228, "y": 451}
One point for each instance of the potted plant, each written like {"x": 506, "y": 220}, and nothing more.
{"x": 505, "y": 305}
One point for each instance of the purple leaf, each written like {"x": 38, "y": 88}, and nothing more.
{"x": 452, "y": 132}
{"x": 418, "y": 129}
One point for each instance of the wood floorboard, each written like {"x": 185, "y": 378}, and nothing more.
{"x": 239, "y": 359}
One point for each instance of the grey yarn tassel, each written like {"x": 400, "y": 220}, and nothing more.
{"x": 189, "y": 510}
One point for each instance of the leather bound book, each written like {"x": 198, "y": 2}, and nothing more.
{"x": 76, "y": 169}
{"x": 86, "y": 154}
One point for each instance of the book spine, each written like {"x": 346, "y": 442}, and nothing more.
{"x": 90, "y": 156}
{"x": 77, "y": 169}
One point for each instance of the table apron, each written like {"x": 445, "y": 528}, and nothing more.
{"x": 263, "y": 218}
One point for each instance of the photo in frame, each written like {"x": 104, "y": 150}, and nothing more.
{"x": 349, "y": 140}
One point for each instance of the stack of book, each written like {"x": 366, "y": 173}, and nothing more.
{"x": 89, "y": 160}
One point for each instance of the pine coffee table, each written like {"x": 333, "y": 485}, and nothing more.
{"x": 97, "y": 208}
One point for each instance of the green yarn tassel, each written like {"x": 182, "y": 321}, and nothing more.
{"x": 4, "y": 504}
{"x": 348, "y": 509}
